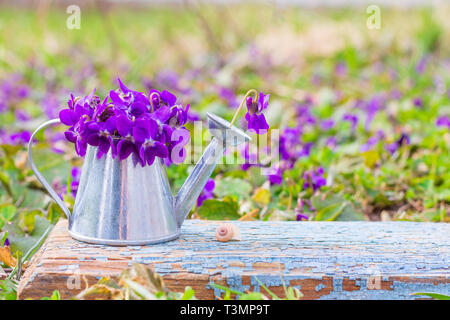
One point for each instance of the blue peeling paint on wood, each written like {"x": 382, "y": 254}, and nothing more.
{"x": 333, "y": 260}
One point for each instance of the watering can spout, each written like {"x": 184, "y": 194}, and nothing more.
{"x": 223, "y": 135}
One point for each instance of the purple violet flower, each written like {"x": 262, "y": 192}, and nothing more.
{"x": 403, "y": 140}
{"x": 22, "y": 115}
{"x": 421, "y": 66}
{"x": 314, "y": 179}
{"x": 254, "y": 116}
{"x": 291, "y": 147}
{"x": 353, "y": 119}
{"x": 299, "y": 211}
{"x": 14, "y": 139}
{"x": 304, "y": 114}
{"x": 374, "y": 105}
{"x": 207, "y": 192}
{"x": 443, "y": 121}
{"x": 12, "y": 91}
{"x": 229, "y": 96}
{"x": 128, "y": 125}
{"x": 372, "y": 141}
{"x": 76, "y": 175}
{"x": 251, "y": 159}
{"x": 277, "y": 177}
{"x": 341, "y": 69}
{"x": 331, "y": 143}
{"x": 418, "y": 102}
{"x": 326, "y": 125}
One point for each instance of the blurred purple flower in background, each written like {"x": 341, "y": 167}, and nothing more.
{"x": 12, "y": 91}
{"x": 17, "y": 138}
{"x": 372, "y": 141}
{"x": 314, "y": 179}
{"x": 421, "y": 66}
{"x": 326, "y": 125}
{"x": 418, "y": 102}
{"x": 277, "y": 177}
{"x": 395, "y": 94}
{"x": 229, "y": 96}
{"x": 403, "y": 140}
{"x": 443, "y": 121}
{"x": 61, "y": 190}
{"x": 331, "y": 143}
{"x": 75, "y": 174}
{"x": 353, "y": 119}
{"x": 374, "y": 105}
{"x": 207, "y": 192}
{"x": 170, "y": 79}
{"x": 304, "y": 115}
{"x": 299, "y": 211}
{"x": 251, "y": 159}
{"x": 22, "y": 115}
{"x": 291, "y": 147}
{"x": 341, "y": 69}
{"x": 51, "y": 105}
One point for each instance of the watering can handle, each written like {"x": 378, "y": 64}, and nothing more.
{"x": 44, "y": 182}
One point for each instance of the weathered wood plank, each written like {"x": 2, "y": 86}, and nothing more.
{"x": 325, "y": 260}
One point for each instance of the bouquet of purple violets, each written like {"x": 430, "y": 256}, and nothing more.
{"x": 129, "y": 123}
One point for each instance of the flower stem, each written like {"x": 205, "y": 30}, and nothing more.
{"x": 151, "y": 100}
{"x": 249, "y": 92}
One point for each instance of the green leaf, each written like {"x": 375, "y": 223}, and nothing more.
{"x": 54, "y": 212}
{"x": 27, "y": 219}
{"x": 226, "y": 209}
{"x": 252, "y": 296}
{"x": 22, "y": 241}
{"x": 55, "y": 296}
{"x": 10, "y": 150}
{"x": 293, "y": 294}
{"x": 6, "y": 183}
{"x": 227, "y": 295}
{"x": 3, "y": 236}
{"x": 8, "y": 290}
{"x": 320, "y": 200}
{"x": 330, "y": 213}
{"x": 273, "y": 295}
{"x": 232, "y": 187}
{"x": 189, "y": 293}
{"x": 437, "y": 296}
{"x": 350, "y": 214}
{"x": 7, "y": 213}
{"x": 218, "y": 286}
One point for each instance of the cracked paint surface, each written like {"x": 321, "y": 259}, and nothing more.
{"x": 325, "y": 260}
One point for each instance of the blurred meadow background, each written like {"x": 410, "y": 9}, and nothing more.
{"x": 363, "y": 113}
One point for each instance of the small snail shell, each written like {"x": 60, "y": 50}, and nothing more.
{"x": 227, "y": 231}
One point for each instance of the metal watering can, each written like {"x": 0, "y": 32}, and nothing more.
{"x": 119, "y": 203}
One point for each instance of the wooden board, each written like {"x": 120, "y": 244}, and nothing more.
{"x": 325, "y": 260}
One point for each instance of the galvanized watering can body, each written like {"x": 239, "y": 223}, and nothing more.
{"x": 123, "y": 203}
